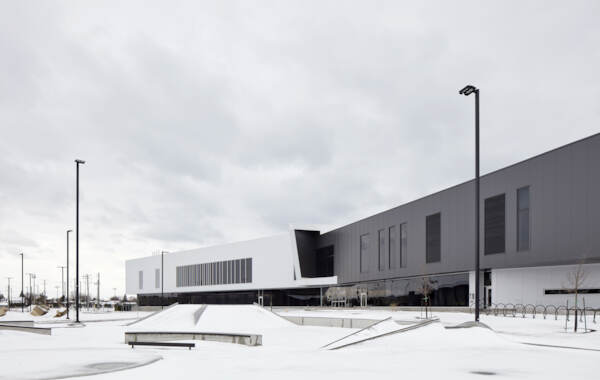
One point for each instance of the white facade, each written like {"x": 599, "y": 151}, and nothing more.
{"x": 528, "y": 286}
{"x": 275, "y": 265}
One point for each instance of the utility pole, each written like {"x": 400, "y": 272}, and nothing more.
{"x": 62, "y": 277}
{"x": 44, "y": 288}
{"x": 30, "y": 275}
{"x": 86, "y": 277}
{"x": 8, "y": 278}
{"x": 68, "y": 305}
{"x": 34, "y": 277}
{"x": 98, "y": 292}
{"x": 22, "y": 282}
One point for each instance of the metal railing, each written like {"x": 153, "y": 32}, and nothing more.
{"x": 523, "y": 310}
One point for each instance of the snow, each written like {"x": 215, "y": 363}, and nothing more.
{"x": 294, "y": 352}
{"x": 84, "y": 316}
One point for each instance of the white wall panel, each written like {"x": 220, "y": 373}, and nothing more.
{"x": 527, "y": 285}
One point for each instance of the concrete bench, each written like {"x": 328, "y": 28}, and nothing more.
{"x": 168, "y": 336}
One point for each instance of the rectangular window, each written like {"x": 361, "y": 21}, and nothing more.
{"x": 569, "y": 291}
{"x": 391, "y": 246}
{"x": 433, "y": 238}
{"x": 403, "y": 245}
{"x": 523, "y": 223}
{"x": 364, "y": 250}
{"x": 141, "y": 279}
{"x": 381, "y": 249}
{"x": 248, "y": 270}
{"x": 243, "y": 266}
{"x": 157, "y": 278}
{"x": 228, "y": 272}
{"x": 238, "y": 272}
{"x": 494, "y": 225}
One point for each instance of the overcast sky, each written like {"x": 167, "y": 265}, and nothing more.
{"x": 204, "y": 123}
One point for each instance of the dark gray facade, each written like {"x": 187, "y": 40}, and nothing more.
{"x": 563, "y": 221}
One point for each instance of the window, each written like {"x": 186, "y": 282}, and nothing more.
{"x": 433, "y": 232}
{"x": 141, "y": 279}
{"x": 217, "y": 273}
{"x": 381, "y": 249}
{"x": 523, "y": 234}
{"x": 364, "y": 249}
{"x": 494, "y": 225}
{"x": 569, "y": 291}
{"x": 391, "y": 246}
{"x": 248, "y": 270}
{"x": 403, "y": 245}
{"x": 157, "y": 278}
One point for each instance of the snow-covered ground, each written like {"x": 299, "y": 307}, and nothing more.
{"x": 17, "y": 315}
{"x": 293, "y": 352}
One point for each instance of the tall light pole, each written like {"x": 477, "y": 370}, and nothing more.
{"x": 68, "y": 305}
{"x": 77, "y": 163}
{"x": 22, "y": 282}
{"x": 162, "y": 279}
{"x": 468, "y": 90}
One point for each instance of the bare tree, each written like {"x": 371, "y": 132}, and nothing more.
{"x": 426, "y": 289}
{"x": 575, "y": 280}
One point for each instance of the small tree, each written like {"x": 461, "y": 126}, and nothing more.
{"x": 426, "y": 289}
{"x": 575, "y": 281}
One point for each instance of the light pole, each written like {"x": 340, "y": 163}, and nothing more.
{"x": 22, "y": 282}
{"x": 77, "y": 163}
{"x": 468, "y": 90}
{"x": 68, "y": 305}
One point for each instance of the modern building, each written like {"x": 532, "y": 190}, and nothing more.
{"x": 540, "y": 224}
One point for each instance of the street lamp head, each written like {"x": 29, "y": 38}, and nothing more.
{"x": 69, "y": 231}
{"x": 468, "y": 90}
{"x": 80, "y": 161}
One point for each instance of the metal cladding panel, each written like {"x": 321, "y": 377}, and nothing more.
{"x": 564, "y": 219}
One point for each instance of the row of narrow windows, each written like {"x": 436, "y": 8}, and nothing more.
{"x": 392, "y": 242}
{"x": 216, "y": 273}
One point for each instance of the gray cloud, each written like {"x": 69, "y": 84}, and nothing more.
{"x": 208, "y": 123}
